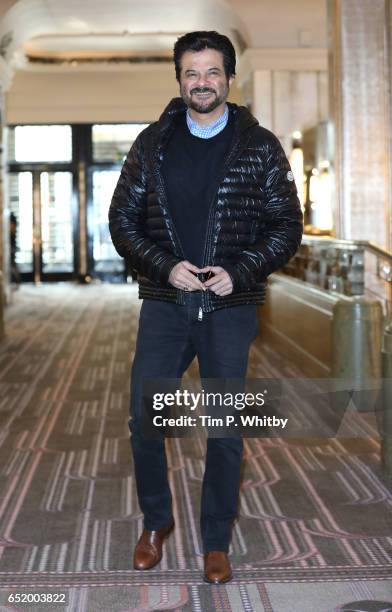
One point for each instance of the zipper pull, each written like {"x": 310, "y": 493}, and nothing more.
{"x": 200, "y": 315}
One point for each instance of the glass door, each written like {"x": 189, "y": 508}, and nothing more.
{"x": 108, "y": 265}
{"x": 110, "y": 145}
{"x": 55, "y": 211}
{"x": 42, "y": 206}
{"x": 21, "y": 207}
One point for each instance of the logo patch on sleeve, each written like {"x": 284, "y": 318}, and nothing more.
{"x": 290, "y": 176}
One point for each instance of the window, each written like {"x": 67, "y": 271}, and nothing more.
{"x": 40, "y": 143}
{"x": 111, "y": 143}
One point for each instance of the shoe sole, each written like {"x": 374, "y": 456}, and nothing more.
{"x": 218, "y": 581}
{"x": 145, "y": 569}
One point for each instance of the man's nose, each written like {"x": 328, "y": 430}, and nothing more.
{"x": 202, "y": 80}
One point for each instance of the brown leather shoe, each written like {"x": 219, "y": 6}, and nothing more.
{"x": 217, "y": 568}
{"x": 148, "y": 551}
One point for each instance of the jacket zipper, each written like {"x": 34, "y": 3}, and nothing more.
{"x": 235, "y": 151}
{"x": 162, "y": 193}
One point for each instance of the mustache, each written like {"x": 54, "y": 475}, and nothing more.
{"x": 201, "y": 90}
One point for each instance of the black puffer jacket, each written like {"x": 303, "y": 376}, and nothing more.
{"x": 255, "y": 220}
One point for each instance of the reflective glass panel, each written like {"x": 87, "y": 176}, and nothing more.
{"x": 21, "y": 205}
{"x": 106, "y": 259}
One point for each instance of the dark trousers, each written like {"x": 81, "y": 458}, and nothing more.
{"x": 169, "y": 337}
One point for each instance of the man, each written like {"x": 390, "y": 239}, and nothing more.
{"x": 205, "y": 208}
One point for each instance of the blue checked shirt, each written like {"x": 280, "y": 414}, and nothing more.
{"x": 207, "y": 131}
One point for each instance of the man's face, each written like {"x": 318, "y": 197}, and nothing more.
{"x": 203, "y": 82}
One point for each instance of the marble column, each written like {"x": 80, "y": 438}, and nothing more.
{"x": 3, "y": 224}
{"x": 5, "y": 80}
{"x": 360, "y": 114}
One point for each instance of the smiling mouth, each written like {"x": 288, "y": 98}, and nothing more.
{"x": 205, "y": 94}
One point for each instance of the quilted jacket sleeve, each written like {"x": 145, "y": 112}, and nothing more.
{"x": 126, "y": 221}
{"x": 283, "y": 225}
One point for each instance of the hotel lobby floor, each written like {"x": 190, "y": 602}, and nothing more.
{"x": 314, "y": 531}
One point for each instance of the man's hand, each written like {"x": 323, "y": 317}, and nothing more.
{"x": 181, "y": 277}
{"x": 221, "y": 283}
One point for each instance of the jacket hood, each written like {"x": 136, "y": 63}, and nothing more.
{"x": 176, "y": 106}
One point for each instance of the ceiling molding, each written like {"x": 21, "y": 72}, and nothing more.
{"x": 103, "y": 66}
{"x": 97, "y": 61}
{"x": 107, "y": 44}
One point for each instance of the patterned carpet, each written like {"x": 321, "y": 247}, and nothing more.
{"x": 309, "y": 514}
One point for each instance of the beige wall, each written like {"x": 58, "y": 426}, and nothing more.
{"x": 278, "y": 100}
{"x": 88, "y": 96}
{"x": 286, "y": 88}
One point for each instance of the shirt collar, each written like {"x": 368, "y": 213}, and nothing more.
{"x": 210, "y": 130}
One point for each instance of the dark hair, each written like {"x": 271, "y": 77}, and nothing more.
{"x": 198, "y": 41}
